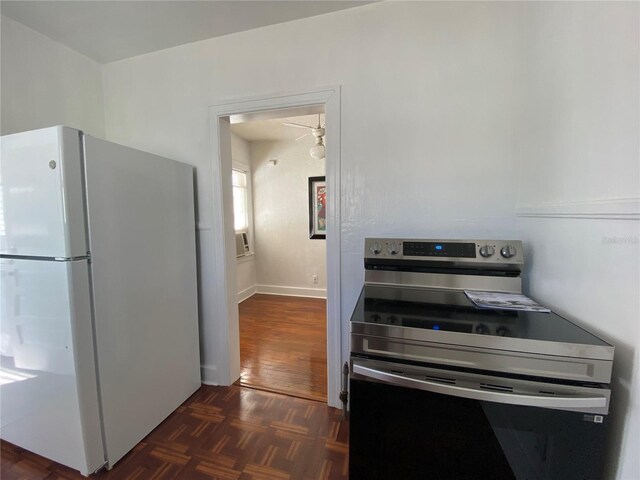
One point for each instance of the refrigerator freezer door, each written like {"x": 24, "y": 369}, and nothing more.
{"x": 142, "y": 235}
{"x": 42, "y": 209}
{"x": 47, "y": 368}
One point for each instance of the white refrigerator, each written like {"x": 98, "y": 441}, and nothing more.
{"x": 99, "y": 329}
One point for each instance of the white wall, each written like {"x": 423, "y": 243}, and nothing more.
{"x": 286, "y": 258}
{"x": 430, "y": 96}
{"x": 246, "y": 266}
{"x": 44, "y": 83}
{"x": 448, "y": 111}
{"x": 580, "y": 275}
{"x": 579, "y": 179}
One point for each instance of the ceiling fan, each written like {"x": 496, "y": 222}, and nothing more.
{"x": 317, "y": 151}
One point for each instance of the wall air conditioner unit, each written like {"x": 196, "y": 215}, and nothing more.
{"x": 242, "y": 244}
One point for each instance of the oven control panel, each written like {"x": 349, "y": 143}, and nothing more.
{"x": 474, "y": 251}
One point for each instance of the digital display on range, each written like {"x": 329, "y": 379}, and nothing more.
{"x": 439, "y": 249}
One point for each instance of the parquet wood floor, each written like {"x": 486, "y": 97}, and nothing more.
{"x": 283, "y": 345}
{"x": 220, "y": 433}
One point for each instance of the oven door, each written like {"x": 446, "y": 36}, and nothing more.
{"x": 415, "y": 422}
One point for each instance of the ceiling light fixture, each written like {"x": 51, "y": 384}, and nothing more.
{"x": 317, "y": 151}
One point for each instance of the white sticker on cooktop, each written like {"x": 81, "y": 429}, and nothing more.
{"x": 504, "y": 301}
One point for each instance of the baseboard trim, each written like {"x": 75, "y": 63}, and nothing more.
{"x": 292, "y": 291}
{"x": 611, "y": 209}
{"x": 207, "y": 373}
{"x": 246, "y": 293}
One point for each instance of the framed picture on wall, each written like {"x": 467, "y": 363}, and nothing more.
{"x": 317, "y": 208}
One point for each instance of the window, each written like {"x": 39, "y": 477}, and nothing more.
{"x": 240, "y": 201}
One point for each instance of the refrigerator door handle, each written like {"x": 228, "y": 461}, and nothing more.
{"x": 72, "y": 259}
{"x": 46, "y": 259}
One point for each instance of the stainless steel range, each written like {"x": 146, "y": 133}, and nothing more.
{"x": 443, "y": 389}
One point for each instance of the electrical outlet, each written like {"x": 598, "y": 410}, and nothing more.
{"x": 315, "y": 279}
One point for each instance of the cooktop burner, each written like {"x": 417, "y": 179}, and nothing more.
{"x": 451, "y": 311}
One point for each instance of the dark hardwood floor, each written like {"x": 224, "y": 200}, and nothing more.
{"x": 283, "y": 345}
{"x": 225, "y": 433}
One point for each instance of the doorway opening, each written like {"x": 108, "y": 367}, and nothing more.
{"x": 280, "y": 227}
{"x": 223, "y": 367}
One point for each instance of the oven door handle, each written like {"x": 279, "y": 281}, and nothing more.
{"x": 562, "y": 402}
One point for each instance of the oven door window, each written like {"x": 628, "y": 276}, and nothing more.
{"x": 397, "y": 432}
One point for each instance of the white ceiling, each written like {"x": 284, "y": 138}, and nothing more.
{"x": 112, "y": 30}
{"x": 275, "y": 129}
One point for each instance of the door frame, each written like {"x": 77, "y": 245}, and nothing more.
{"x": 224, "y": 297}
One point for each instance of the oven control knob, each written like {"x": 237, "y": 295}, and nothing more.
{"x": 487, "y": 251}
{"x": 375, "y": 248}
{"x": 502, "y": 331}
{"x": 508, "y": 251}
{"x": 393, "y": 248}
{"x": 482, "y": 329}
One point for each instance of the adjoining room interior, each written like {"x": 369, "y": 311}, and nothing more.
{"x": 281, "y": 262}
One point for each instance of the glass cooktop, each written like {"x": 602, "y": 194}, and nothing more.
{"x": 451, "y": 311}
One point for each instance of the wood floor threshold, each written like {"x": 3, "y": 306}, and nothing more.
{"x": 288, "y": 393}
